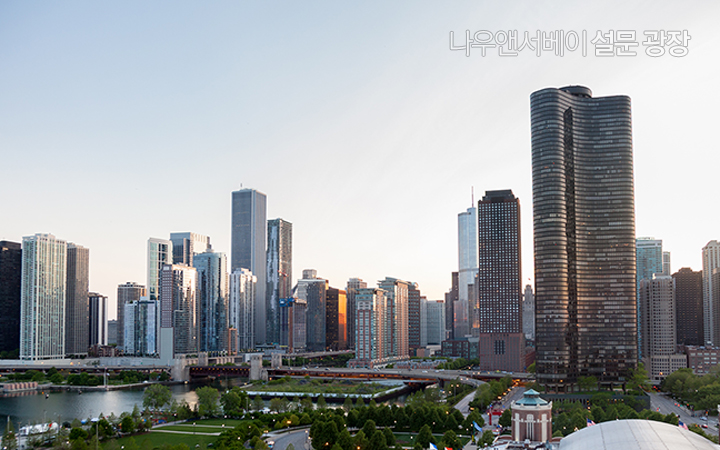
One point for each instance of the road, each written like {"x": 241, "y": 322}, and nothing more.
{"x": 665, "y": 404}
{"x": 298, "y": 439}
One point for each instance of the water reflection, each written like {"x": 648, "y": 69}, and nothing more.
{"x": 36, "y": 407}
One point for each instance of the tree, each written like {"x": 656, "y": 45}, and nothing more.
{"x": 348, "y": 404}
{"x": 587, "y": 383}
{"x": 321, "y": 403}
{"x": 276, "y": 404}
{"x": 369, "y": 428}
{"x": 425, "y": 437}
{"x": 639, "y": 379}
{"x": 389, "y": 437}
{"x": 345, "y": 440}
{"x": 505, "y": 418}
{"x": 359, "y": 402}
{"x": 451, "y": 440}
{"x": 377, "y": 441}
{"x": 127, "y": 425}
{"x": 156, "y": 396}
{"x": 208, "y": 405}
{"x": 257, "y": 403}
{"x": 360, "y": 442}
{"x": 9, "y": 438}
{"x": 487, "y": 438}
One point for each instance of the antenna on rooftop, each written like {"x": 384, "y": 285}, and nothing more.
{"x": 472, "y": 196}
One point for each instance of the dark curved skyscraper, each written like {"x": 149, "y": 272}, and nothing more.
{"x": 584, "y": 227}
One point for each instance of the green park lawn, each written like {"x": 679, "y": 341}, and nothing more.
{"x": 315, "y": 386}
{"x": 158, "y": 439}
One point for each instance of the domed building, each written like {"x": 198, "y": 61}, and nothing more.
{"x": 531, "y": 418}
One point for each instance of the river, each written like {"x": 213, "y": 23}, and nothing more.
{"x": 34, "y": 407}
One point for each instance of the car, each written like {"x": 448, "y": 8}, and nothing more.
{"x": 703, "y": 418}
{"x": 704, "y": 425}
{"x": 271, "y": 444}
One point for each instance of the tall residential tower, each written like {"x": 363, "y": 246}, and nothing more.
{"x": 584, "y": 233}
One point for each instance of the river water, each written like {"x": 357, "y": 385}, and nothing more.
{"x": 34, "y": 407}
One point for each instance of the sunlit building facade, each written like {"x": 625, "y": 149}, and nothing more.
{"x": 336, "y": 319}
{"x": 127, "y": 293}
{"x": 178, "y": 306}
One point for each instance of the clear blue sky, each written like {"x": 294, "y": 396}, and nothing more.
{"x": 121, "y": 121}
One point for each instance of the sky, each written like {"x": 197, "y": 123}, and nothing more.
{"x": 121, "y": 121}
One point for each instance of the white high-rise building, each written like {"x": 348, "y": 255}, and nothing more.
{"x": 42, "y": 297}
{"x": 711, "y": 263}
{"x": 529, "y": 313}
{"x": 139, "y": 332}
{"x": 159, "y": 253}
{"x": 243, "y": 285}
{"x": 467, "y": 269}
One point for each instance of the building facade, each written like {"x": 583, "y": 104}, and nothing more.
{"x": 42, "y": 298}
{"x": 416, "y": 304}
{"x": 243, "y": 286}
{"x": 396, "y": 318}
{"x": 139, "y": 334}
{"x": 657, "y": 312}
{"x": 77, "y": 308}
{"x": 179, "y": 306}
{"x": 435, "y": 322}
{"x": 584, "y": 236}
{"x": 127, "y": 293}
{"x": 186, "y": 245}
{"x": 529, "y": 313}
{"x": 336, "y": 319}
{"x": 499, "y": 288}
{"x": 279, "y": 274}
{"x": 98, "y": 328}
{"x": 314, "y": 291}
{"x": 451, "y": 298}
{"x": 467, "y": 269}
{"x": 249, "y": 228}
{"x": 10, "y": 283}
{"x": 370, "y": 328}
{"x": 649, "y": 257}
{"x": 689, "y": 307}
{"x": 711, "y": 263}
{"x": 213, "y": 318}
{"x": 352, "y": 287}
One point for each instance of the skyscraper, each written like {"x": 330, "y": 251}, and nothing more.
{"x": 584, "y": 233}
{"x": 351, "y": 289}
{"x": 649, "y": 262}
{"x": 451, "y": 298}
{"x": 249, "y": 215}
{"x": 314, "y": 291}
{"x": 213, "y": 319}
{"x": 435, "y": 322}
{"x": 186, "y": 245}
{"x": 396, "y": 317}
{"x": 416, "y": 302}
{"x": 139, "y": 334}
{"x": 467, "y": 268}
{"x": 279, "y": 273}
{"x": 160, "y": 252}
{"x": 42, "y": 316}
{"x": 502, "y": 342}
{"x": 178, "y": 306}
{"x": 77, "y": 308}
{"x": 98, "y": 319}
{"x": 243, "y": 285}
{"x": 126, "y": 293}
{"x": 10, "y": 282}
{"x": 529, "y": 313}
{"x": 689, "y": 307}
{"x": 657, "y": 304}
{"x": 370, "y": 328}
{"x": 711, "y": 305}
{"x": 336, "y": 319}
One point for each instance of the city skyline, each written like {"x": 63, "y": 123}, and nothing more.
{"x": 112, "y": 101}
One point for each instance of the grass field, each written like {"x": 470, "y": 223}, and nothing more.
{"x": 158, "y": 439}
{"x": 189, "y": 428}
{"x": 232, "y": 423}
